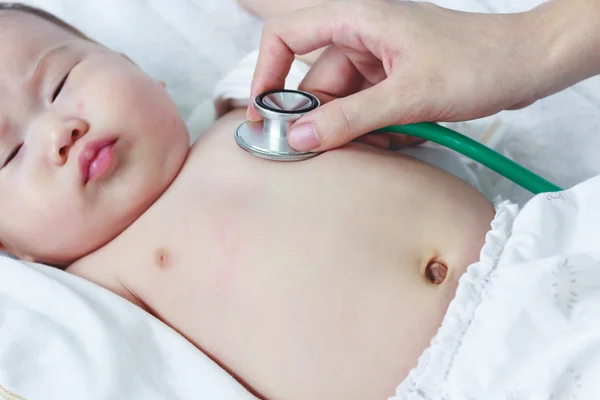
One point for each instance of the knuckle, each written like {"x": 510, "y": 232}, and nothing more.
{"x": 273, "y": 49}
{"x": 342, "y": 125}
{"x": 270, "y": 26}
{"x": 272, "y": 29}
{"x": 347, "y": 121}
{"x": 411, "y": 100}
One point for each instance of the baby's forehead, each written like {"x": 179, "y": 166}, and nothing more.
{"x": 23, "y": 37}
{"x": 21, "y": 31}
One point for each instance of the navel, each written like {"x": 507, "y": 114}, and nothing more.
{"x": 436, "y": 272}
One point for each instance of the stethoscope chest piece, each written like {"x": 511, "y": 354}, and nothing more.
{"x": 268, "y": 138}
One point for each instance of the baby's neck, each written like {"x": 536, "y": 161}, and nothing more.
{"x": 104, "y": 265}
{"x": 97, "y": 268}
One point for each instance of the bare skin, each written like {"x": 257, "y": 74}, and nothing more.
{"x": 322, "y": 279}
{"x": 305, "y": 280}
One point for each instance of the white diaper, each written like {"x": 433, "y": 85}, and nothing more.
{"x": 525, "y": 322}
{"x": 234, "y": 91}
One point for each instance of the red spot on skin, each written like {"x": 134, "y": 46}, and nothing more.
{"x": 174, "y": 121}
{"x": 225, "y": 226}
{"x": 229, "y": 214}
{"x": 80, "y": 105}
{"x": 229, "y": 243}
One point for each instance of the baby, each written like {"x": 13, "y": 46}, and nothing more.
{"x": 291, "y": 276}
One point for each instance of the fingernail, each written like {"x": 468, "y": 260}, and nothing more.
{"x": 304, "y": 137}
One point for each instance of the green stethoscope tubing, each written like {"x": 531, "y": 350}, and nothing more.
{"x": 476, "y": 151}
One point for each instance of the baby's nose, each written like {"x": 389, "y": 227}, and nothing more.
{"x": 64, "y": 136}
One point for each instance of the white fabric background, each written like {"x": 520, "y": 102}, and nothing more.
{"x": 60, "y": 335}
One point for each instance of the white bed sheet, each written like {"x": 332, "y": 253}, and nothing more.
{"x": 64, "y": 338}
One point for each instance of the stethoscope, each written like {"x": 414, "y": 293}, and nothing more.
{"x": 268, "y": 138}
{"x": 280, "y": 108}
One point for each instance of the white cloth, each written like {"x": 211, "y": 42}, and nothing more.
{"x": 525, "y": 322}
{"x": 62, "y": 337}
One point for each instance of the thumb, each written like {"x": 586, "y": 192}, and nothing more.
{"x": 343, "y": 120}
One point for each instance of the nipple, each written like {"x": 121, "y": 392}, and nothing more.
{"x": 161, "y": 257}
{"x": 436, "y": 272}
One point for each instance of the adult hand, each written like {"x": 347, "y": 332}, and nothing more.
{"x": 399, "y": 62}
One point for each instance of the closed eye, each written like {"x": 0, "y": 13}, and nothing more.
{"x": 59, "y": 88}
{"x": 12, "y": 155}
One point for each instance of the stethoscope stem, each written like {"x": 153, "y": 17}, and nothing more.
{"x": 477, "y": 152}
{"x": 280, "y": 108}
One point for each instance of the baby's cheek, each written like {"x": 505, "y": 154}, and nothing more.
{"x": 152, "y": 103}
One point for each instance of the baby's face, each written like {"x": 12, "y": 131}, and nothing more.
{"x": 87, "y": 141}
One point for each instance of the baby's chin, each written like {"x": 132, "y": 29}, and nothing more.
{"x": 84, "y": 236}
{"x": 64, "y": 256}
{"x": 63, "y": 251}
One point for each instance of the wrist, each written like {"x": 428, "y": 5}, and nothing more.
{"x": 567, "y": 37}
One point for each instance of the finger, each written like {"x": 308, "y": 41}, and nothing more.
{"x": 390, "y": 141}
{"x": 524, "y": 104}
{"x": 342, "y": 120}
{"x": 400, "y": 141}
{"x": 379, "y": 140}
{"x": 282, "y": 38}
{"x": 333, "y": 75}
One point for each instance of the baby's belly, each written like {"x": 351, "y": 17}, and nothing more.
{"x": 306, "y": 280}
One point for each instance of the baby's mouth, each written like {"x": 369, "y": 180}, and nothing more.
{"x": 96, "y": 158}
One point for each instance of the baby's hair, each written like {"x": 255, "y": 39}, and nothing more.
{"x": 43, "y": 14}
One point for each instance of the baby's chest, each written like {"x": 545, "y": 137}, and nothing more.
{"x": 217, "y": 249}
{"x": 222, "y": 223}
{"x": 251, "y": 282}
